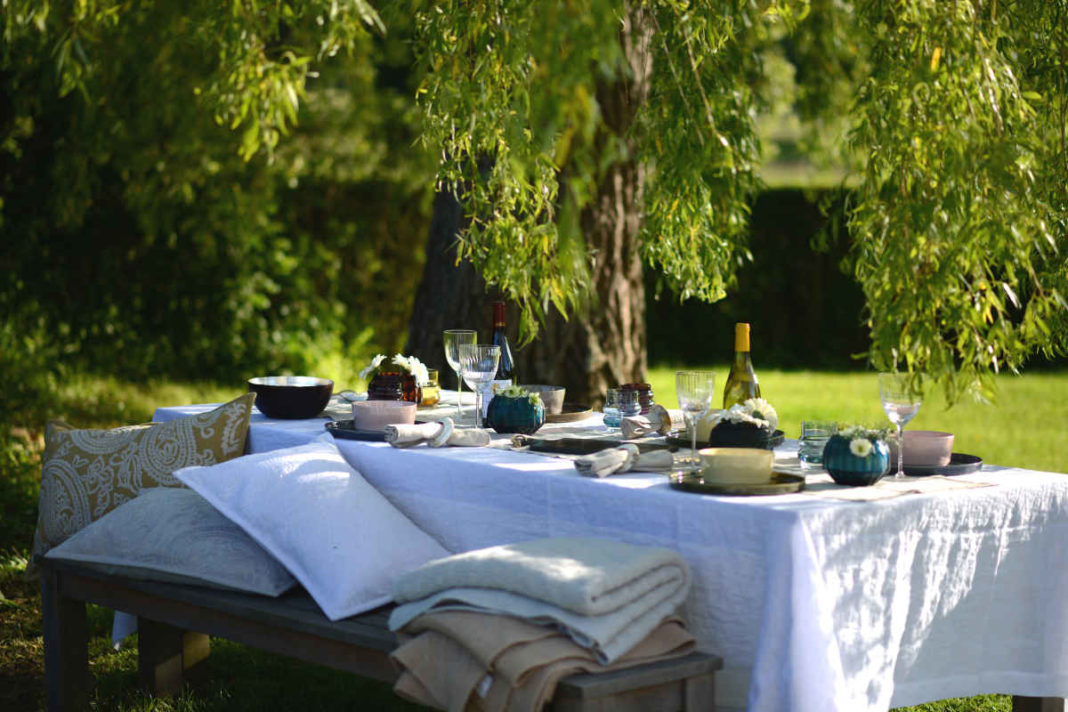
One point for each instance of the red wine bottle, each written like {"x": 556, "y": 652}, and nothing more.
{"x": 506, "y": 366}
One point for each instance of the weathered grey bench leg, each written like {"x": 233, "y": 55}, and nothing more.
{"x": 168, "y": 656}
{"x": 66, "y": 641}
{"x": 1037, "y": 704}
{"x": 700, "y": 693}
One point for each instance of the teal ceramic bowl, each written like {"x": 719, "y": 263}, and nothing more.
{"x": 515, "y": 415}
{"x": 846, "y": 468}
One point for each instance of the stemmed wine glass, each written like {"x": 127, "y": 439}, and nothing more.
{"x": 454, "y": 338}
{"x": 694, "y": 390}
{"x": 478, "y": 365}
{"x": 901, "y": 404}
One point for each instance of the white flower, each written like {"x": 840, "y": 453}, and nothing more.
{"x": 418, "y": 369}
{"x": 762, "y": 410}
{"x": 861, "y": 447}
{"x": 375, "y": 363}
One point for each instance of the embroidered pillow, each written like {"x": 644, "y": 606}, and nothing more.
{"x": 87, "y": 473}
{"x": 174, "y": 535}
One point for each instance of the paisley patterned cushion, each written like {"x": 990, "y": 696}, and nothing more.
{"x": 87, "y": 473}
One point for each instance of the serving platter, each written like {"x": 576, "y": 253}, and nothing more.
{"x": 570, "y": 413}
{"x": 780, "y": 483}
{"x": 345, "y": 430}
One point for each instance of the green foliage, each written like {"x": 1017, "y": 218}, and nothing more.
{"x": 146, "y": 238}
{"x": 960, "y": 219}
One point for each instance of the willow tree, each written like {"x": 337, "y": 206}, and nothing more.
{"x": 584, "y": 139}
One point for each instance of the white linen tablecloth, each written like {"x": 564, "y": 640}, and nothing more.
{"x": 815, "y": 603}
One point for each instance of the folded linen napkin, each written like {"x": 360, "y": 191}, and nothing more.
{"x": 435, "y": 435}
{"x": 659, "y": 421}
{"x": 460, "y": 660}
{"x": 605, "y": 595}
{"x": 625, "y": 458}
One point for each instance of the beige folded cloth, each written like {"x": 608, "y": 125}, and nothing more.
{"x": 460, "y": 660}
{"x": 658, "y": 421}
{"x": 625, "y": 458}
{"x": 435, "y": 435}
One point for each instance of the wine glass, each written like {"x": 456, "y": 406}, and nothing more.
{"x": 901, "y": 404}
{"x": 478, "y": 365}
{"x": 694, "y": 390}
{"x": 453, "y": 339}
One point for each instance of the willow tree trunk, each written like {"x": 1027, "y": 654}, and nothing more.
{"x": 603, "y": 346}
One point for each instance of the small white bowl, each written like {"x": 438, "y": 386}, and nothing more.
{"x": 377, "y": 414}
{"x": 736, "y": 465}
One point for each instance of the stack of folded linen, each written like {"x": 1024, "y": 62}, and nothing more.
{"x": 497, "y": 628}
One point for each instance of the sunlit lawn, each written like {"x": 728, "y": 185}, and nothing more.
{"x": 1023, "y": 429}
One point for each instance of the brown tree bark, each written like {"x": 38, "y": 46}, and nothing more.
{"x": 606, "y": 345}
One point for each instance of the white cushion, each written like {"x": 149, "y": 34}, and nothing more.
{"x": 336, "y": 533}
{"x": 174, "y": 535}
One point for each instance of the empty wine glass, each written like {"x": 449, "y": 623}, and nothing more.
{"x": 694, "y": 390}
{"x": 478, "y": 365}
{"x": 901, "y": 404}
{"x": 453, "y": 339}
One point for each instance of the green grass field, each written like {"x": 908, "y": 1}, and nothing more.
{"x": 1023, "y": 428}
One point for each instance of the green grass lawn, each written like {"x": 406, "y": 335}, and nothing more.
{"x": 1022, "y": 429}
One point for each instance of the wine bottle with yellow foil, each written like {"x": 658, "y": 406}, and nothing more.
{"x": 742, "y": 382}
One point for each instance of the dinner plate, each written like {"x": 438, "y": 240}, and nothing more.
{"x": 780, "y": 483}
{"x": 959, "y": 464}
{"x": 345, "y": 430}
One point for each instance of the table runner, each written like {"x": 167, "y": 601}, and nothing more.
{"x": 815, "y": 604}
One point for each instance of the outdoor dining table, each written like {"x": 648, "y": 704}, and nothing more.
{"x": 815, "y": 602}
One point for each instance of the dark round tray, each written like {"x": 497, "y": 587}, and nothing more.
{"x": 775, "y": 441}
{"x": 959, "y": 464}
{"x": 344, "y": 429}
{"x": 781, "y": 483}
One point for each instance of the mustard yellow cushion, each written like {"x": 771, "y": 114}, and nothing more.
{"x": 87, "y": 473}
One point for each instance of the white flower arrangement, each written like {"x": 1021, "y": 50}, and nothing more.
{"x": 862, "y": 440}
{"x": 755, "y": 411}
{"x": 404, "y": 363}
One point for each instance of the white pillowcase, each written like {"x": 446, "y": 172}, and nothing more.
{"x": 175, "y": 535}
{"x": 335, "y": 532}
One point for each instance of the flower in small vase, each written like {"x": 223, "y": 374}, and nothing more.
{"x": 755, "y": 411}
{"x": 372, "y": 368}
{"x": 861, "y": 447}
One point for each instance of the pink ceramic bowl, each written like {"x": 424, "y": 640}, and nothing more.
{"x": 377, "y": 414}
{"x": 927, "y": 448}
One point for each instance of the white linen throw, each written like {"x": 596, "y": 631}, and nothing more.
{"x": 604, "y": 594}
{"x": 625, "y": 458}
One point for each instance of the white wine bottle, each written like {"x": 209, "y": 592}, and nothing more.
{"x": 742, "y": 382}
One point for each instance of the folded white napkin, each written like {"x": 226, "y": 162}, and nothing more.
{"x": 435, "y": 435}
{"x": 605, "y": 595}
{"x": 625, "y": 458}
{"x": 659, "y": 420}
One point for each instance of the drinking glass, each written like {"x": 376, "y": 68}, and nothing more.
{"x": 453, "y": 340}
{"x": 613, "y": 418}
{"x": 814, "y": 436}
{"x": 478, "y": 365}
{"x": 694, "y": 390}
{"x": 901, "y": 403}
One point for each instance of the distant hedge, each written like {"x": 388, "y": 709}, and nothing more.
{"x": 805, "y": 308}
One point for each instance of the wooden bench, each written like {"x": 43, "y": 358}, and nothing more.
{"x": 174, "y": 622}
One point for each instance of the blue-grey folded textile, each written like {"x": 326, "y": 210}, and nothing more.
{"x": 604, "y": 594}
